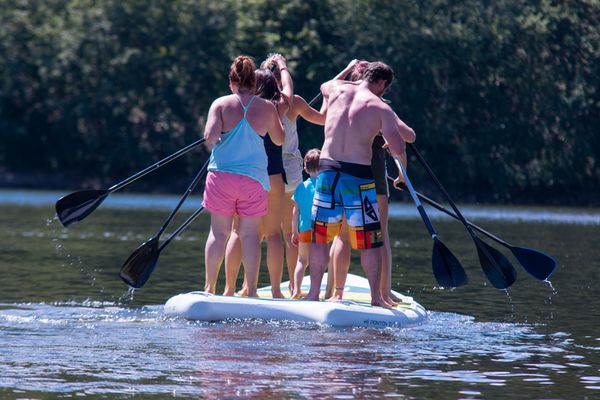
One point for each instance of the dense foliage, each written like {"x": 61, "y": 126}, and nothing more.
{"x": 504, "y": 95}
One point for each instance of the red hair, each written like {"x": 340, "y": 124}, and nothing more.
{"x": 241, "y": 72}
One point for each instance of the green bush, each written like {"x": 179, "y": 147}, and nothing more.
{"x": 503, "y": 95}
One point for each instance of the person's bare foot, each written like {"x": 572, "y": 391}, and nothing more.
{"x": 243, "y": 292}
{"x": 311, "y": 297}
{"x": 228, "y": 292}
{"x": 380, "y": 303}
{"x": 395, "y": 298}
{"x": 276, "y": 294}
{"x": 298, "y": 296}
{"x": 390, "y": 301}
{"x": 336, "y": 297}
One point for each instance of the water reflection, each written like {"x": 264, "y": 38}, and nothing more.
{"x": 69, "y": 327}
{"x": 100, "y": 348}
{"x": 397, "y": 210}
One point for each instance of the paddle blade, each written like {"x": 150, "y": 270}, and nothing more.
{"x": 538, "y": 264}
{"x": 446, "y": 268}
{"x": 139, "y": 266}
{"x": 76, "y": 206}
{"x": 495, "y": 265}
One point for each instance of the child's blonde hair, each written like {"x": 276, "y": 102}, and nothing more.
{"x": 311, "y": 160}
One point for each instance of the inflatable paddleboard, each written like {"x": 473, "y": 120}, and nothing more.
{"x": 355, "y": 310}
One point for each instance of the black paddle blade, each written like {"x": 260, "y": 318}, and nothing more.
{"x": 76, "y": 206}
{"x": 446, "y": 268}
{"x": 538, "y": 264}
{"x": 139, "y": 266}
{"x": 495, "y": 265}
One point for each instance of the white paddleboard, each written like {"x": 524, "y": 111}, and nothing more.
{"x": 355, "y": 310}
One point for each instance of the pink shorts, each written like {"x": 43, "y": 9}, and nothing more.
{"x": 233, "y": 194}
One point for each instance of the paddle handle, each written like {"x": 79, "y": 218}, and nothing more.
{"x": 183, "y": 226}
{"x": 189, "y": 190}
{"x": 155, "y": 166}
{"x": 415, "y": 198}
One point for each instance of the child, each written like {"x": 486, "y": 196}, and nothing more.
{"x": 301, "y": 219}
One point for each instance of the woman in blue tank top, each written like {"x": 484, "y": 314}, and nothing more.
{"x": 267, "y": 88}
{"x": 237, "y": 182}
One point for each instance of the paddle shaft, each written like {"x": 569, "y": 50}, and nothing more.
{"x": 443, "y": 209}
{"x": 472, "y": 225}
{"x": 415, "y": 198}
{"x": 310, "y": 103}
{"x": 155, "y": 166}
{"x": 338, "y": 76}
{"x": 539, "y": 270}
{"x": 495, "y": 265}
{"x": 439, "y": 185}
{"x": 183, "y": 226}
{"x": 189, "y": 190}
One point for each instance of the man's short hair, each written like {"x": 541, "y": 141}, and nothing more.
{"x": 377, "y": 71}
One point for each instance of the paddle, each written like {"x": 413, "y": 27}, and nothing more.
{"x": 340, "y": 75}
{"x": 78, "y": 205}
{"x": 495, "y": 265}
{"x": 446, "y": 268}
{"x": 139, "y": 265}
{"x": 310, "y": 103}
{"x": 537, "y": 264}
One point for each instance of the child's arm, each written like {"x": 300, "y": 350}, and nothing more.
{"x": 295, "y": 220}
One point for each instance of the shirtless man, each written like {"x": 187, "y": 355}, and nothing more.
{"x": 345, "y": 184}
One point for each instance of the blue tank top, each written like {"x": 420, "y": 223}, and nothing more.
{"x": 241, "y": 151}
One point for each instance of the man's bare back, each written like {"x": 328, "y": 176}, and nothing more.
{"x": 346, "y": 189}
{"x": 352, "y": 122}
{"x": 355, "y": 115}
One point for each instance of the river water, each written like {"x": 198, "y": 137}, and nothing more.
{"x": 70, "y": 328}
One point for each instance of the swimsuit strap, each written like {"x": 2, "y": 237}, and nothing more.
{"x": 245, "y": 108}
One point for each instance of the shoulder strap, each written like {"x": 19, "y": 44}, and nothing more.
{"x": 245, "y": 107}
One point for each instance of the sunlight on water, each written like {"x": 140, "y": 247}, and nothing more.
{"x": 99, "y": 347}
{"x": 52, "y": 220}
{"x": 69, "y": 327}
{"x": 397, "y": 210}
{"x": 127, "y": 297}
{"x": 510, "y": 300}
{"x": 554, "y": 291}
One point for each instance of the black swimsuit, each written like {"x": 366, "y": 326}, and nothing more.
{"x": 275, "y": 156}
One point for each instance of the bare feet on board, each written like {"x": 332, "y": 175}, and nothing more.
{"x": 298, "y": 296}
{"x": 380, "y": 303}
{"x": 390, "y": 301}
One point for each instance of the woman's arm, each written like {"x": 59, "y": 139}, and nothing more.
{"x": 308, "y": 113}
{"x": 214, "y": 123}
{"x": 343, "y": 73}
{"x": 287, "y": 85}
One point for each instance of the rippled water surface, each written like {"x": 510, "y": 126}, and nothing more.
{"x": 69, "y": 327}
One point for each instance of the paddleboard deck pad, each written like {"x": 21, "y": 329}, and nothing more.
{"x": 355, "y": 310}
